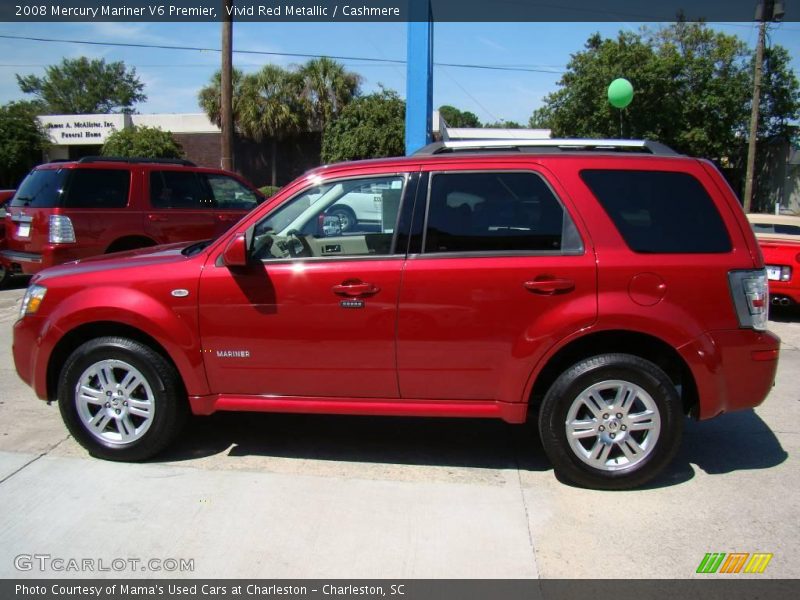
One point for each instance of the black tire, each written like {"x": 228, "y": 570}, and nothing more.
{"x": 617, "y": 470}
{"x": 162, "y": 391}
{"x": 346, "y": 216}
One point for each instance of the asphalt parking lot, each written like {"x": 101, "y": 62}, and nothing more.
{"x": 280, "y": 496}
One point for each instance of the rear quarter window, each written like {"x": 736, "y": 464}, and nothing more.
{"x": 42, "y": 188}
{"x": 660, "y": 211}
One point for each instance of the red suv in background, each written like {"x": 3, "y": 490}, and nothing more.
{"x": 604, "y": 289}
{"x": 64, "y": 211}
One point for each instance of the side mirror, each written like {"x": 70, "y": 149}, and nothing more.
{"x": 235, "y": 254}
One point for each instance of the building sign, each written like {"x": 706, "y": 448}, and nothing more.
{"x": 71, "y": 130}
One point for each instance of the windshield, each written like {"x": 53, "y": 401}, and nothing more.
{"x": 42, "y": 188}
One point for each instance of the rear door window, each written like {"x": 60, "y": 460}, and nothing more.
{"x": 496, "y": 212}
{"x": 179, "y": 189}
{"x": 97, "y": 188}
{"x": 660, "y": 211}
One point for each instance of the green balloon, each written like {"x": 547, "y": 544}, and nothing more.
{"x": 620, "y": 93}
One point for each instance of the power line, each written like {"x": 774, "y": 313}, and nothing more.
{"x": 267, "y": 53}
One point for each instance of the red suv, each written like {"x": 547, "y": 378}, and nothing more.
{"x": 603, "y": 288}
{"x": 64, "y": 211}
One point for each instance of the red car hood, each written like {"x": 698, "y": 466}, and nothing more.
{"x": 156, "y": 255}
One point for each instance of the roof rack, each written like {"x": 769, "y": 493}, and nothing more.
{"x": 547, "y": 145}
{"x": 138, "y": 160}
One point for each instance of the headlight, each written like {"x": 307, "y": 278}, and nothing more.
{"x": 32, "y": 300}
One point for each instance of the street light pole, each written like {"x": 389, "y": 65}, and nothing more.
{"x": 226, "y": 87}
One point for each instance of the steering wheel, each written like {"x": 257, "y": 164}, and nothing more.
{"x": 305, "y": 247}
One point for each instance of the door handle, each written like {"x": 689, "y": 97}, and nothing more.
{"x": 549, "y": 286}
{"x": 156, "y": 218}
{"x": 354, "y": 288}
{"x": 228, "y": 218}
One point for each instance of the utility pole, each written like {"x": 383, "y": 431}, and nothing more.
{"x": 226, "y": 86}
{"x": 767, "y": 10}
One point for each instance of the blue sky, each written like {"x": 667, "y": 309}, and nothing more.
{"x": 173, "y": 78}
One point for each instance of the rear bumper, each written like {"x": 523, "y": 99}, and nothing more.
{"x": 786, "y": 289}
{"x": 24, "y": 262}
{"x": 733, "y": 369}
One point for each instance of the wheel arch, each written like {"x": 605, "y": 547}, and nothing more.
{"x": 88, "y": 331}
{"x": 130, "y": 242}
{"x": 636, "y": 343}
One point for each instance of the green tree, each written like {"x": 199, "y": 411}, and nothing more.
{"x": 83, "y": 86}
{"x": 210, "y": 97}
{"x": 692, "y": 91}
{"x": 327, "y": 87}
{"x": 271, "y": 107}
{"x": 22, "y": 141}
{"x": 504, "y": 125}
{"x": 372, "y": 126}
{"x": 542, "y": 118}
{"x": 458, "y": 118}
{"x": 144, "y": 142}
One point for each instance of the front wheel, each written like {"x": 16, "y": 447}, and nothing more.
{"x": 611, "y": 422}
{"x": 120, "y": 399}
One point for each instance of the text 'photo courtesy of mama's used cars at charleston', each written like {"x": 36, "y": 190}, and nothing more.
{"x": 65, "y": 211}
{"x": 603, "y": 289}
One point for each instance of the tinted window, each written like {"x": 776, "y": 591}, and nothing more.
{"x": 659, "y": 211}
{"x": 179, "y": 189}
{"x": 97, "y": 188}
{"x": 787, "y": 229}
{"x": 41, "y": 189}
{"x": 354, "y": 217}
{"x": 229, "y": 194}
{"x": 496, "y": 212}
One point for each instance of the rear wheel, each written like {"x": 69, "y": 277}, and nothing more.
{"x": 120, "y": 399}
{"x": 611, "y": 422}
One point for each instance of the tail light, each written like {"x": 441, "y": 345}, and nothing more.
{"x": 61, "y": 230}
{"x": 797, "y": 258}
{"x": 750, "y": 293}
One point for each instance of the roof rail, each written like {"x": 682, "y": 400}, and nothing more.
{"x": 138, "y": 160}
{"x": 547, "y": 145}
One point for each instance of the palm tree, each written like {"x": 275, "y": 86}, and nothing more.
{"x": 326, "y": 89}
{"x": 270, "y": 107}
{"x": 210, "y": 98}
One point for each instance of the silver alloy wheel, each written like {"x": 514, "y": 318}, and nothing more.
{"x": 613, "y": 425}
{"x": 345, "y": 219}
{"x": 114, "y": 402}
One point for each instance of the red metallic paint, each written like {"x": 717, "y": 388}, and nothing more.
{"x": 97, "y": 229}
{"x": 443, "y": 336}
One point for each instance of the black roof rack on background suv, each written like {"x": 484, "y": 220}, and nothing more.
{"x": 546, "y": 145}
{"x": 137, "y": 160}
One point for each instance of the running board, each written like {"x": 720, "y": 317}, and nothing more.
{"x": 488, "y": 409}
